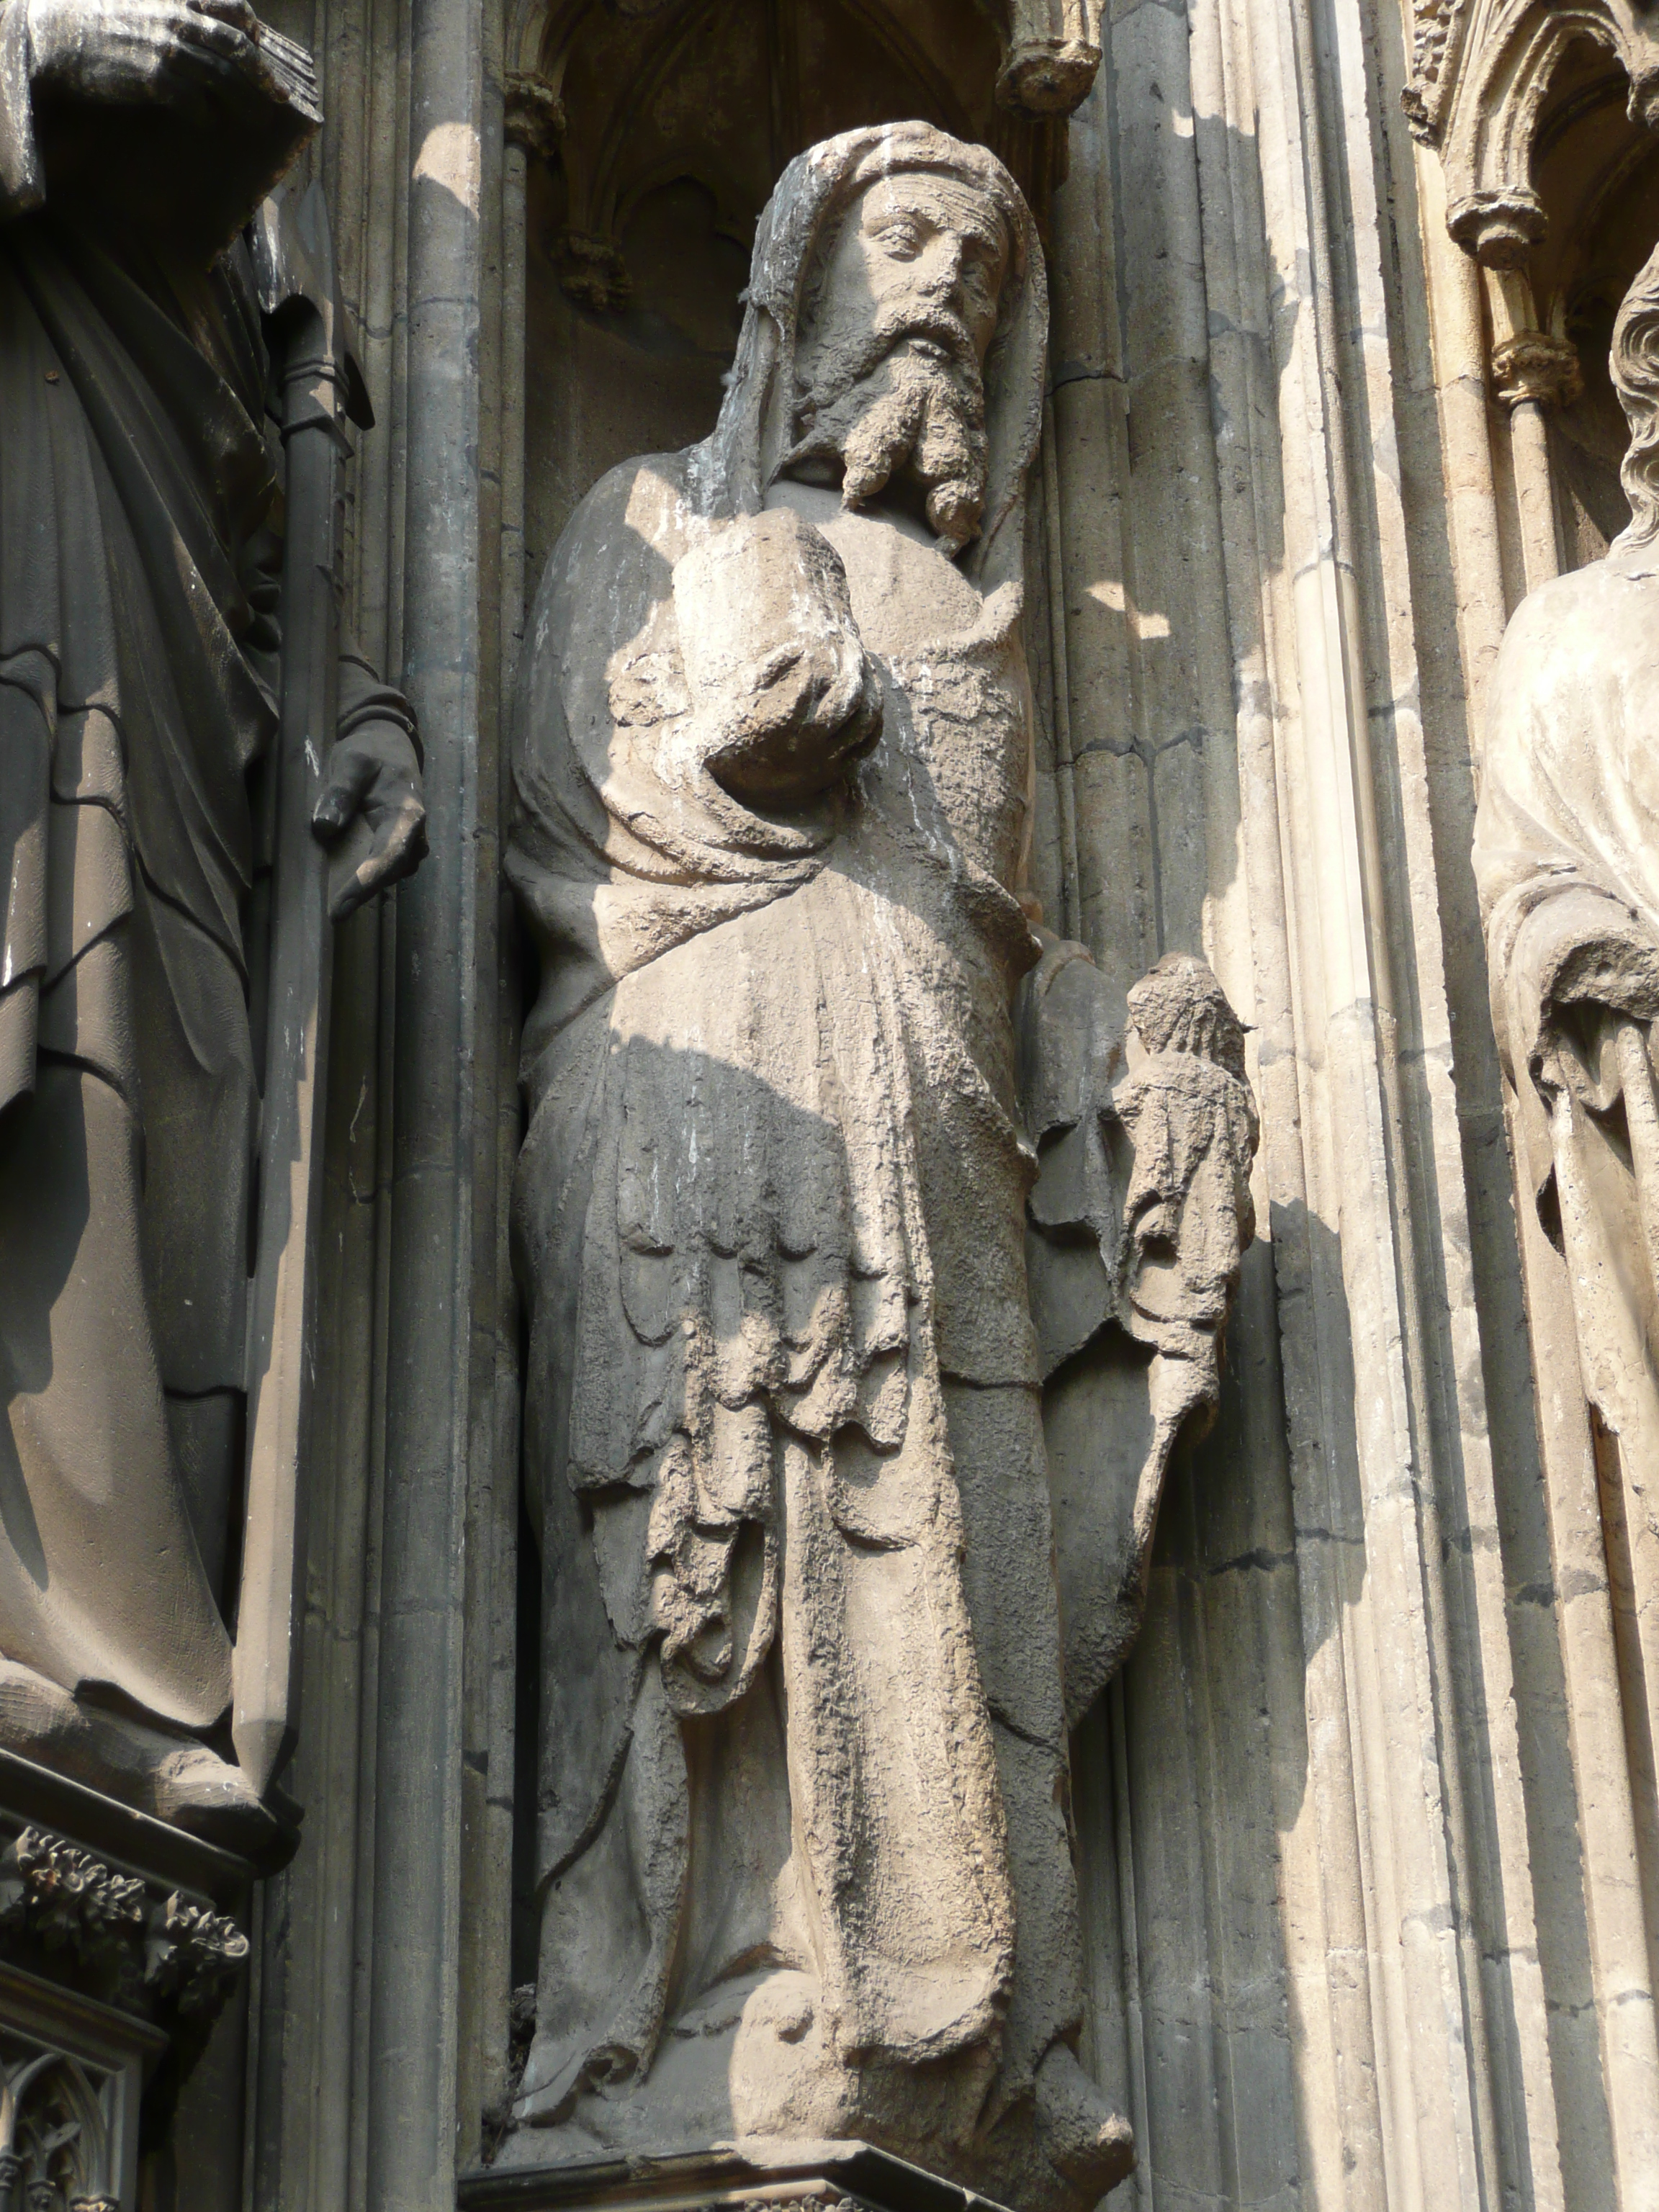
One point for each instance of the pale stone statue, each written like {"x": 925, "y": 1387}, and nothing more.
{"x": 805, "y": 1853}
{"x": 140, "y": 668}
{"x": 1567, "y": 857}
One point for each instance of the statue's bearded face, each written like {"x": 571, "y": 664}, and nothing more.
{"x": 889, "y": 379}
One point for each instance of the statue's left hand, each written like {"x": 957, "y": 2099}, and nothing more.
{"x": 373, "y": 779}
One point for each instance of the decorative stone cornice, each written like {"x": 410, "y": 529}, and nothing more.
{"x": 168, "y": 1953}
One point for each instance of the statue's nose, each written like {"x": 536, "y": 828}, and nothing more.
{"x": 942, "y": 268}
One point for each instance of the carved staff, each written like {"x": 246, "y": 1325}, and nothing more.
{"x": 299, "y": 295}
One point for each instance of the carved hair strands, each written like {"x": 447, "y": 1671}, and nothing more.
{"x": 1635, "y": 365}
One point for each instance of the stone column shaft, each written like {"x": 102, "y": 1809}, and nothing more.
{"x": 412, "y": 2068}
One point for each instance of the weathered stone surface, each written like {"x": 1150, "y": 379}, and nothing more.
{"x": 1366, "y": 1830}
{"x": 1566, "y": 853}
{"x": 805, "y": 1857}
{"x": 1140, "y": 1217}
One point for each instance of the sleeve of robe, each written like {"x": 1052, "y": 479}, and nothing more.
{"x": 364, "y": 698}
{"x": 1564, "y": 835}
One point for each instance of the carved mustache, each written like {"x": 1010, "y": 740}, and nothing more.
{"x": 929, "y": 325}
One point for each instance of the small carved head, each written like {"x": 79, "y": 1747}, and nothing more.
{"x": 1635, "y": 367}
{"x": 900, "y": 312}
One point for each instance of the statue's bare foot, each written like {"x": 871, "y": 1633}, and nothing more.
{"x": 173, "y": 1779}
{"x": 1084, "y": 2139}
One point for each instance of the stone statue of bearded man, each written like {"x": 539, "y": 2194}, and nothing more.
{"x": 804, "y": 1859}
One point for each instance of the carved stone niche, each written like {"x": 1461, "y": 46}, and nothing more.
{"x": 121, "y": 1939}
{"x": 72, "y": 2074}
{"x": 652, "y": 132}
{"x": 1484, "y": 72}
{"x": 1546, "y": 120}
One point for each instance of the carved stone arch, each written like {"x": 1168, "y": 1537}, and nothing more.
{"x": 1050, "y": 49}
{"x": 1545, "y": 115}
{"x": 54, "y": 2130}
{"x": 644, "y": 138}
{"x": 731, "y": 218}
{"x": 1484, "y": 74}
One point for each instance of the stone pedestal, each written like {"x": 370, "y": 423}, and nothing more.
{"x": 805, "y": 2177}
{"x": 120, "y": 1939}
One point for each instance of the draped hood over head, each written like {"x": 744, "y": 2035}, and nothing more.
{"x": 622, "y": 846}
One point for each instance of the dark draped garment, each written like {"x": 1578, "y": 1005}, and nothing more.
{"x": 139, "y": 511}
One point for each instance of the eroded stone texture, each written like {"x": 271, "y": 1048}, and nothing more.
{"x": 805, "y": 1854}
{"x": 1567, "y": 858}
{"x": 1141, "y": 1210}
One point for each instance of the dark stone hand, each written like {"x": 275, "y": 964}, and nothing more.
{"x": 177, "y": 53}
{"x": 374, "y": 778}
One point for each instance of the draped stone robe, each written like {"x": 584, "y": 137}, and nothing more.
{"x": 1566, "y": 855}
{"x": 139, "y": 507}
{"x": 804, "y": 1786}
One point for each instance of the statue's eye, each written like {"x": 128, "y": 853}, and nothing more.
{"x": 900, "y": 239}
{"x": 976, "y": 273}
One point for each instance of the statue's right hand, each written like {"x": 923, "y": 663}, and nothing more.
{"x": 177, "y": 53}
{"x": 797, "y": 718}
{"x": 786, "y": 698}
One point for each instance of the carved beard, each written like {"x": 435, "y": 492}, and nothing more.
{"x": 920, "y": 407}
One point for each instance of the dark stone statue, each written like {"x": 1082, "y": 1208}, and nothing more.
{"x": 141, "y": 645}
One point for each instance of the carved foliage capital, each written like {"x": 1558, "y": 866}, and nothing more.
{"x": 170, "y": 1952}
{"x": 533, "y": 114}
{"x": 593, "y": 271}
{"x": 1500, "y": 228}
{"x": 1534, "y": 366}
{"x": 1052, "y": 57}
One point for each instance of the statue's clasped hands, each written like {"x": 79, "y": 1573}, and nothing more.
{"x": 179, "y": 53}
{"x": 785, "y": 698}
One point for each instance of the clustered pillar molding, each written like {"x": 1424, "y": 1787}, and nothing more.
{"x": 1481, "y": 73}
{"x": 1531, "y": 371}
